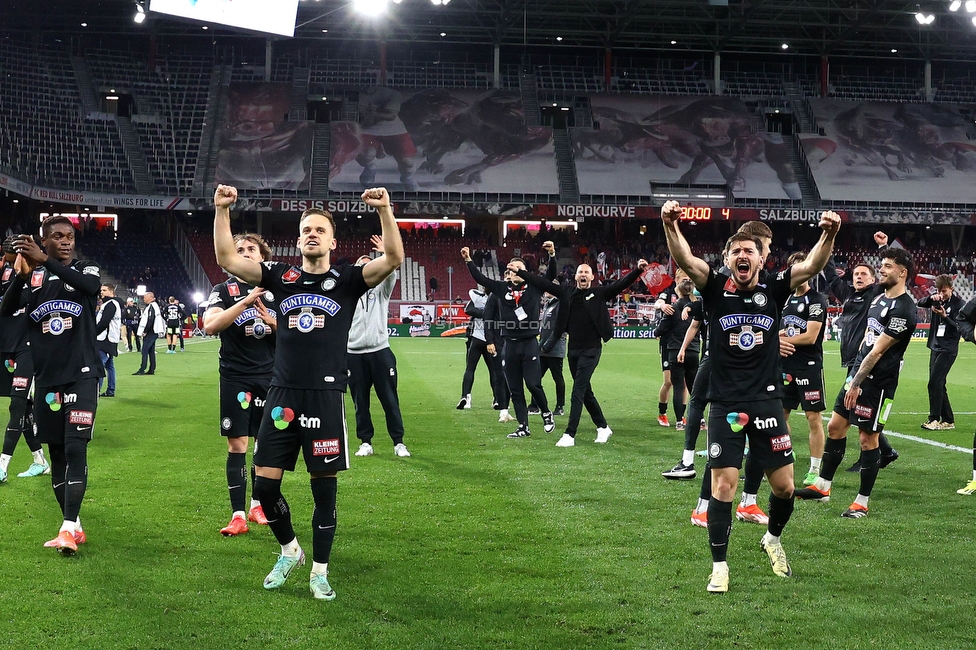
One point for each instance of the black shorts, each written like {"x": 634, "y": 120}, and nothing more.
{"x": 17, "y": 376}
{"x": 172, "y": 328}
{"x": 872, "y": 408}
{"x": 313, "y": 421}
{"x": 730, "y": 423}
{"x": 68, "y": 411}
{"x": 804, "y": 389}
{"x": 242, "y": 405}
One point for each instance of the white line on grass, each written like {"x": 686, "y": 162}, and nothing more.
{"x": 924, "y": 441}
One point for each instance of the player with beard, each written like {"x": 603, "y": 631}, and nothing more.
{"x": 246, "y": 319}
{"x": 802, "y": 325}
{"x": 305, "y": 410}
{"x": 16, "y": 378}
{"x": 584, "y": 316}
{"x": 853, "y": 321}
{"x": 62, "y": 293}
{"x": 867, "y": 397}
{"x": 748, "y": 509}
{"x": 519, "y": 306}
{"x": 746, "y": 386}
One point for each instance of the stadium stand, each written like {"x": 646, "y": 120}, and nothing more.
{"x": 169, "y": 112}
{"x": 139, "y": 259}
{"x": 46, "y": 137}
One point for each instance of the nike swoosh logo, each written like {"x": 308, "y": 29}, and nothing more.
{"x": 330, "y": 461}
{"x": 325, "y": 527}
{"x": 235, "y": 487}
{"x": 729, "y": 295}
{"x": 75, "y": 482}
{"x": 83, "y": 428}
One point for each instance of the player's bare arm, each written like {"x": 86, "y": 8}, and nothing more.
{"x": 810, "y": 337}
{"x": 880, "y": 347}
{"x": 820, "y": 253}
{"x": 696, "y": 268}
{"x": 217, "y": 319}
{"x": 379, "y": 269}
{"x": 224, "y": 246}
{"x": 690, "y": 335}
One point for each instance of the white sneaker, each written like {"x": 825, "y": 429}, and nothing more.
{"x": 467, "y": 403}
{"x": 365, "y": 449}
{"x": 566, "y": 441}
{"x": 603, "y": 434}
{"x": 401, "y": 450}
{"x": 503, "y": 416}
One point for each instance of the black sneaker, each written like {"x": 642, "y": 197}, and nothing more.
{"x": 521, "y": 432}
{"x": 548, "y": 422}
{"x": 462, "y": 404}
{"x": 680, "y": 472}
{"x": 856, "y": 467}
{"x": 534, "y": 410}
{"x": 559, "y": 411}
{"x": 888, "y": 459}
{"x": 107, "y": 394}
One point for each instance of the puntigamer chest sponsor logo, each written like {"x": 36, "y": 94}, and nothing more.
{"x": 253, "y": 325}
{"x": 305, "y": 321}
{"x": 56, "y": 322}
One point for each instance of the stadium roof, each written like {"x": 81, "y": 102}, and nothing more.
{"x": 839, "y": 28}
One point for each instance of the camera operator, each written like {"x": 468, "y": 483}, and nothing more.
{"x": 944, "y": 346}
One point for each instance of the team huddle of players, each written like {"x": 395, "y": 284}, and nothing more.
{"x": 284, "y": 367}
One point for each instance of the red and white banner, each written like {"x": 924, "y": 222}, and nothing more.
{"x": 656, "y": 277}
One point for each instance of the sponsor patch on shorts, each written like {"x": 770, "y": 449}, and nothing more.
{"x": 862, "y": 411}
{"x": 325, "y": 447}
{"x": 811, "y": 395}
{"x": 20, "y": 382}
{"x": 781, "y": 443}
{"x": 81, "y": 417}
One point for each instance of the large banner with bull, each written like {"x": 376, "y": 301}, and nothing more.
{"x": 259, "y": 148}
{"x": 442, "y": 140}
{"x": 875, "y": 151}
{"x": 637, "y": 140}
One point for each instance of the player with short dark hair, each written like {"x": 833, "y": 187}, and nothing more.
{"x": 746, "y": 386}
{"x": 305, "y": 410}
{"x": 853, "y": 321}
{"x": 802, "y": 326}
{"x": 17, "y": 378}
{"x": 245, "y": 317}
{"x": 62, "y": 292}
{"x": 867, "y": 396}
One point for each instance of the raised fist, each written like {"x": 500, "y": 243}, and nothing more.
{"x": 670, "y": 212}
{"x": 225, "y": 196}
{"x": 377, "y": 197}
{"x": 466, "y": 254}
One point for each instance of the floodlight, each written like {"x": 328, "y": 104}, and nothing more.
{"x": 370, "y": 8}
{"x": 140, "y": 16}
{"x": 954, "y": 5}
{"x": 971, "y": 6}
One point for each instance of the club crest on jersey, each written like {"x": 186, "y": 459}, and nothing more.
{"x": 251, "y": 321}
{"x": 328, "y": 284}
{"x": 57, "y": 323}
{"x": 268, "y": 296}
{"x": 306, "y": 321}
{"x": 291, "y": 275}
{"x": 746, "y": 339}
{"x": 759, "y": 299}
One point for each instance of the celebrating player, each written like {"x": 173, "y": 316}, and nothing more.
{"x": 246, "y": 320}
{"x": 305, "y": 410}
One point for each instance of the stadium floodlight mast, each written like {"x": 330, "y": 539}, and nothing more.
{"x": 924, "y": 19}
{"x": 140, "y": 16}
{"x": 954, "y": 5}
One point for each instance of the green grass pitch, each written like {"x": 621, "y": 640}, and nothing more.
{"x": 478, "y": 541}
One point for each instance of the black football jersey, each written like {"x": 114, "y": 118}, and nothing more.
{"x": 247, "y": 346}
{"x": 13, "y": 329}
{"x": 798, "y": 313}
{"x": 172, "y": 312}
{"x": 743, "y": 337}
{"x": 680, "y": 326}
{"x": 315, "y": 313}
{"x": 897, "y": 318}
{"x": 61, "y": 326}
